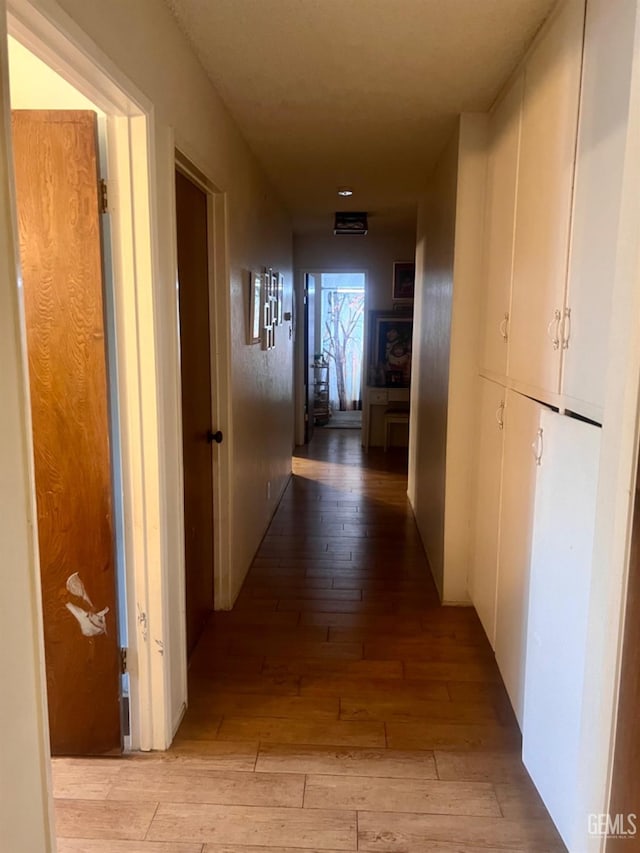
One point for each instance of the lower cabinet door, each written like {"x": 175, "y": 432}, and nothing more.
{"x": 522, "y": 447}
{"x": 486, "y": 518}
{"x": 560, "y": 580}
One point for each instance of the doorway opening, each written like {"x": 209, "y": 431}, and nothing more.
{"x": 73, "y": 77}
{"x": 342, "y": 335}
{"x": 198, "y": 437}
{"x": 69, "y": 322}
{"x": 334, "y": 337}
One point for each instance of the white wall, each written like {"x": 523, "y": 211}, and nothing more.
{"x": 463, "y": 365}
{"x": 446, "y": 342}
{"x": 35, "y": 86}
{"x": 431, "y": 348}
{"x": 374, "y": 254}
{"x": 25, "y": 802}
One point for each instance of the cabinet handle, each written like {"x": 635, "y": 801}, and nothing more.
{"x": 503, "y": 327}
{"x": 538, "y": 446}
{"x": 566, "y": 328}
{"x": 500, "y": 415}
{"x": 554, "y": 333}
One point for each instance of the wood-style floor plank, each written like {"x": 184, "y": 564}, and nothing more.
{"x": 481, "y": 766}
{"x": 392, "y": 832}
{"x": 272, "y": 730}
{"x": 88, "y": 845}
{"x": 403, "y": 709}
{"x": 205, "y": 755}
{"x": 125, "y": 821}
{"x": 163, "y": 784}
{"x": 336, "y": 705}
{"x": 401, "y": 795}
{"x": 265, "y": 827}
{"x": 247, "y": 848}
{"x": 83, "y": 779}
{"x": 367, "y": 763}
{"x": 428, "y": 735}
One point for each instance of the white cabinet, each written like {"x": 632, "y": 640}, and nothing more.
{"x": 486, "y": 516}
{"x": 502, "y": 171}
{"x": 553, "y": 195}
{"x": 521, "y": 446}
{"x": 544, "y": 198}
{"x": 560, "y": 579}
{"x": 598, "y": 190}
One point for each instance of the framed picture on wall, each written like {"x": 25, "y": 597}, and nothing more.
{"x": 280, "y": 298}
{"x": 404, "y": 277}
{"x": 390, "y": 344}
{"x": 275, "y": 298}
{"x": 268, "y": 310}
{"x": 255, "y": 308}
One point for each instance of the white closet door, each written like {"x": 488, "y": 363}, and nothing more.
{"x": 502, "y": 170}
{"x": 521, "y": 417}
{"x": 563, "y": 531}
{"x": 544, "y": 197}
{"x": 486, "y": 519}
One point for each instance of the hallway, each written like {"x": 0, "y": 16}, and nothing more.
{"x": 337, "y": 707}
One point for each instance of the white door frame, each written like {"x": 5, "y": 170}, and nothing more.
{"x": 49, "y": 33}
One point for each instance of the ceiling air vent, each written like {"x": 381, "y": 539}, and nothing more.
{"x": 349, "y": 223}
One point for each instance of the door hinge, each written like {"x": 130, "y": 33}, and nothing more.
{"x": 123, "y": 661}
{"x": 103, "y": 196}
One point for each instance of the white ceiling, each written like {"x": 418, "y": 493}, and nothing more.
{"x": 355, "y": 92}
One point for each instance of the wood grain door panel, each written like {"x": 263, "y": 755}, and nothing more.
{"x": 195, "y": 350}
{"x": 60, "y": 248}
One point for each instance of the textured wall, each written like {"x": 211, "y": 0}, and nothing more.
{"x": 431, "y": 346}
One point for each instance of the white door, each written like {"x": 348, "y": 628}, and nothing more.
{"x": 521, "y": 448}
{"x": 561, "y": 554}
{"x": 486, "y": 518}
{"x": 502, "y": 170}
{"x": 543, "y": 210}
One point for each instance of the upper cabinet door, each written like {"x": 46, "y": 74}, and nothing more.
{"x": 502, "y": 172}
{"x": 544, "y": 199}
{"x": 604, "y": 118}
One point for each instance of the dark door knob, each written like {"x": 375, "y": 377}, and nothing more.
{"x": 214, "y": 436}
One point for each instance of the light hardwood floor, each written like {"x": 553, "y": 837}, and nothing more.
{"x": 337, "y": 707}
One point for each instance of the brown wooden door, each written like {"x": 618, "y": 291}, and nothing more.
{"x": 195, "y": 350}
{"x": 57, "y": 199}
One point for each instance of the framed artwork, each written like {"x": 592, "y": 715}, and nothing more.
{"x": 255, "y": 307}
{"x": 268, "y": 311}
{"x": 404, "y": 277}
{"x": 280, "y": 297}
{"x": 274, "y": 298}
{"x": 390, "y": 345}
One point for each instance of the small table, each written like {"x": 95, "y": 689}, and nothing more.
{"x": 376, "y": 396}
